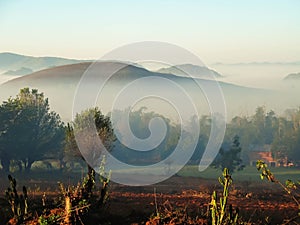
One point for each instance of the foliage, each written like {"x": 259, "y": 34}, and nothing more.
{"x": 104, "y": 181}
{"x": 219, "y": 213}
{"x": 230, "y": 159}
{"x": 81, "y": 125}
{"x": 289, "y": 187}
{"x": 18, "y": 202}
{"x": 282, "y": 133}
{"x": 29, "y": 131}
{"x": 74, "y": 205}
{"x": 51, "y": 219}
{"x": 171, "y": 215}
{"x": 205, "y": 126}
{"x": 78, "y": 200}
{"x": 139, "y": 124}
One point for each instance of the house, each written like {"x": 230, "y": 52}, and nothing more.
{"x": 262, "y": 153}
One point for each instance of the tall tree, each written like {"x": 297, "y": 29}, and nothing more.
{"x": 287, "y": 138}
{"x": 259, "y": 123}
{"x": 80, "y": 127}
{"x": 31, "y": 131}
{"x": 7, "y": 115}
{"x": 230, "y": 158}
{"x": 271, "y": 125}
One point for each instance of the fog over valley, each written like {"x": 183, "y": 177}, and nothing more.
{"x": 245, "y": 86}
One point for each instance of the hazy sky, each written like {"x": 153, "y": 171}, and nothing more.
{"x": 217, "y": 31}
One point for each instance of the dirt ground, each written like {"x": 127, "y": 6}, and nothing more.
{"x": 261, "y": 203}
{"x": 258, "y": 203}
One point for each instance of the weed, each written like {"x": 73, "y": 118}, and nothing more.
{"x": 289, "y": 187}
{"x": 219, "y": 213}
{"x": 52, "y": 219}
{"x": 79, "y": 199}
{"x": 18, "y": 203}
{"x": 169, "y": 215}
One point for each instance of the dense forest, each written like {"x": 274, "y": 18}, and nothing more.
{"x": 31, "y": 132}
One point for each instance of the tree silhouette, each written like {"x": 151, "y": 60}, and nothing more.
{"x": 90, "y": 151}
{"x": 230, "y": 158}
{"x": 30, "y": 131}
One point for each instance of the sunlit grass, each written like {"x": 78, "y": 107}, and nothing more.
{"x": 249, "y": 173}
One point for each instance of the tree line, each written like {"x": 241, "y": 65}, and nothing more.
{"x": 280, "y": 133}
{"x": 31, "y": 132}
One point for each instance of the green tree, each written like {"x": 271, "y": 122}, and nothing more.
{"x": 271, "y": 125}
{"x": 205, "y": 126}
{"x": 139, "y": 121}
{"x": 31, "y": 131}
{"x": 230, "y": 158}
{"x": 258, "y": 121}
{"x": 287, "y": 137}
{"x": 7, "y": 115}
{"x": 80, "y": 127}
{"x": 247, "y": 134}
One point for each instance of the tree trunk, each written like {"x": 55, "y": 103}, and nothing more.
{"x": 28, "y": 163}
{"x": 19, "y": 164}
{"x": 62, "y": 165}
{"x": 91, "y": 171}
{"x": 90, "y": 183}
{"x": 5, "y": 162}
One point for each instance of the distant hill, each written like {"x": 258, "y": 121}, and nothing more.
{"x": 18, "y": 72}
{"x": 258, "y": 64}
{"x": 59, "y": 85}
{"x": 292, "y": 76}
{"x": 15, "y": 64}
{"x": 191, "y": 70}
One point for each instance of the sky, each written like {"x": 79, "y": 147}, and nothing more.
{"x": 215, "y": 30}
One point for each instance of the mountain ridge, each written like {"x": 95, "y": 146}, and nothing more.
{"x": 12, "y": 63}
{"x": 191, "y": 70}
{"x": 259, "y": 63}
{"x": 60, "y": 84}
{"x": 292, "y": 77}
{"x": 65, "y": 70}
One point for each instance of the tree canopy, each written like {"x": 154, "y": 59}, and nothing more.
{"x": 230, "y": 158}
{"x": 81, "y": 127}
{"x": 281, "y": 133}
{"x": 29, "y": 131}
{"x": 139, "y": 121}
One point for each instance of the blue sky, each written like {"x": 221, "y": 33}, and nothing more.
{"x": 217, "y": 31}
